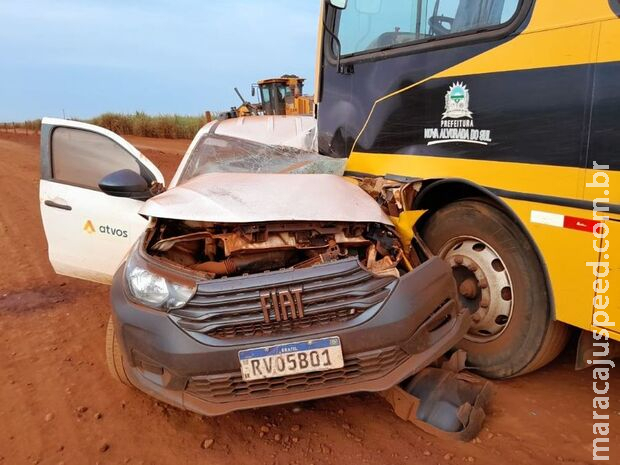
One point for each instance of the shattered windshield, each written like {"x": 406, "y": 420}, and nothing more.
{"x": 221, "y": 154}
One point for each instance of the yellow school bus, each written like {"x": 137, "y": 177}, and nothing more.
{"x": 504, "y": 114}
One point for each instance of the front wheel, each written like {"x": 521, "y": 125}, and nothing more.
{"x": 114, "y": 356}
{"x": 502, "y": 284}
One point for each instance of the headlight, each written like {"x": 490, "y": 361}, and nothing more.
{"x": 154, "y": 290}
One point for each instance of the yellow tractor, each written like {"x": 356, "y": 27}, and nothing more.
{"x": 284, "y": 96}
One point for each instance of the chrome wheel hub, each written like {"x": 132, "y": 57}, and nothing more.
{"x": 484, "y": 285}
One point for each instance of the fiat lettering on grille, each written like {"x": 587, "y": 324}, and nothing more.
{"x": 282, "y": 304}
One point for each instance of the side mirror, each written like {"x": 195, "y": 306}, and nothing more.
{"x": 125, "y": 183}
{"x": 338, "y": 4}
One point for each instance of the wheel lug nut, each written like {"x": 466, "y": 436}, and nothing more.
{"x": 468, "y": 289}
{"x": 472, "y": 267}
{"x": 483, "y": 283}
{"x": 476, "y": 318}
{"x": 458, "y": 260}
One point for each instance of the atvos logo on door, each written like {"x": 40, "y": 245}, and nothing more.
{"x": 90, "y": 228}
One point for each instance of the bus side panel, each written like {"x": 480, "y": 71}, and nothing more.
{"x": 605, "y": 150}
{"x": 605, "y": 135}
{"x": 565, "y": 252}
{"x": 606, "y": 309}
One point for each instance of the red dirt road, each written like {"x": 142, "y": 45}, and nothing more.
{"x": 59, "y": 406}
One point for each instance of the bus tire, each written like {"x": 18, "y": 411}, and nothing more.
{"x": 502, "y": 283}
{"x": 114, "y": 356}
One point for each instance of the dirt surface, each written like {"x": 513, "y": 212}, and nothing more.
{"x": 58, "y": 404}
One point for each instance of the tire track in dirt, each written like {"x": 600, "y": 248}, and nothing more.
{"x": 35, "y": 306}
{"x": 19, "y": 218}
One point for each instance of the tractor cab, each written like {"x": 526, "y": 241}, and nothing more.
{"x": 284, "y": 96}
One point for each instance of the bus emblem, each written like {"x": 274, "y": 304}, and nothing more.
{"x": 457, "y": 102}
{"x": 457, "y": 122}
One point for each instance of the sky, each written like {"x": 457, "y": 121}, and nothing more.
{"x": 81, "y": 58}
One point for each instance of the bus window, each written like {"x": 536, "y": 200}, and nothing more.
{"x": 400, "y": 22}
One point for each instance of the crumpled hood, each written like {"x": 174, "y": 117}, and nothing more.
{"x": 255, "y": 198}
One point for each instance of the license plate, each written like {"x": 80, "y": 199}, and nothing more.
{"x": 291, "y": 359}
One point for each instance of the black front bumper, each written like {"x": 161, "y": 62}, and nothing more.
{"x": 417, "y": 322}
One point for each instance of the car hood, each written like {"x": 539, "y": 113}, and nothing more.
{"x": 254, "y": 198}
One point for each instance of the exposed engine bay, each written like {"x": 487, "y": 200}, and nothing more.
{"x": 223, "y": 225}
{"x": 219, "y": 250}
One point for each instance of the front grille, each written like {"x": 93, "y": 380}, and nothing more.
{"x": 357, "y": 368}
{"x": 333, "y": 293}
{"x": 268, "y": 329}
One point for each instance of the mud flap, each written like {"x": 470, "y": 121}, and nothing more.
{"x": 586, "y": 351}
{"x": 443, "y": 401}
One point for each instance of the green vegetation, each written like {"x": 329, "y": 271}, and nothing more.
{"x": 138, "y": 124}
{"x": 141, "y": 124}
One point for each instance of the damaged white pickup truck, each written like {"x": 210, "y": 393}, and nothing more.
{"x": 260, "y": 276}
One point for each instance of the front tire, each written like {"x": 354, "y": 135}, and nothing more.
{"x": 114, "y": 356}
{"x": 502, "y": 284}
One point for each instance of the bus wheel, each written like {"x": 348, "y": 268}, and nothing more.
{"x": 501, "y": 282}
{"x": 114, "y": 356}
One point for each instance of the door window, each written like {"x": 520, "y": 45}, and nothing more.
{"x": 367, "y": 25}
{"x": 266, "y": 95}
{"x": 83, "y": 158}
